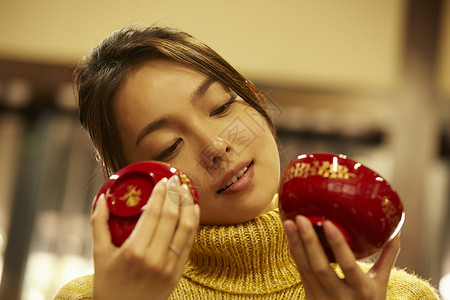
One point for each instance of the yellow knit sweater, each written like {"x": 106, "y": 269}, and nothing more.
{"x": 249, "y": 261}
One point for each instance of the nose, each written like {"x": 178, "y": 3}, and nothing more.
{"x": 215, "y": 153}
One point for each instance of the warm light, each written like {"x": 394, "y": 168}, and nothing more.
{"x": 335, "y": 164}
{"x": 74, "y": 266}
{"x": 444, "y": 287}
{"x": 2, "y": 247}
{"x": 1, "y": 267}
{"x": 47, "y": 272}
{"x": 42, "y": 267}
{"x": 2, "y": 241}
{"x": 35, "y": 294}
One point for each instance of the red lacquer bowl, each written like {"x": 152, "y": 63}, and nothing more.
{"x": 360, "y": 202}
{"x": 129, "y": 189}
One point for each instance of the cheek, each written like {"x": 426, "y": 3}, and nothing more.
{"x": 265, "y": 143}
{"x": 258, "y": 129}
{"x": 244, "y": 129}
{"x": 188, "y": 161}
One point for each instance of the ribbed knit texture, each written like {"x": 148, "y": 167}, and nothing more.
{"x": 249, "y": 261}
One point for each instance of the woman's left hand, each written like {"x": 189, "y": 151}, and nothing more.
{"x": 320, "y": 279}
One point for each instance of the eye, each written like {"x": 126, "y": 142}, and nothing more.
{"x": 169, "y": 152}
{"x": 222, "y": 110}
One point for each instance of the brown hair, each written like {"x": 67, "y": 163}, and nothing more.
{"x": 102, "y": 72}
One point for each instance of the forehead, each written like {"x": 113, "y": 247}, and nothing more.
{"x": 155, "y": 82}
{"x": 158, "y": 74}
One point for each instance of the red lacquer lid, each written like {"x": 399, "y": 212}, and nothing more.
{"x": 129, "y": 189}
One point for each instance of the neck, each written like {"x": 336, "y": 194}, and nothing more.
{"x": 251, "y": 257}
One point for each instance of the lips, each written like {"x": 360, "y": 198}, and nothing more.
{"x": 234, "y": 175}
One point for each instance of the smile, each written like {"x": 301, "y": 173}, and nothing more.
{"x": 235, "y": 178}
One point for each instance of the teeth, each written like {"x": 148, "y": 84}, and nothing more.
{"x": 235, "y": 178}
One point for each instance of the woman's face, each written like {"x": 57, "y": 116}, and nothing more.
{"x": 168, "y": 112}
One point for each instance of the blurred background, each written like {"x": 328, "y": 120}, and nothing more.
{"x": 369, "y": 79}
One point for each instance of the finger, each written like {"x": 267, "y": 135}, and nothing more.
{"x": 145, "y": 227}
{"x": 187, "y": 227}
{"x": 295, "y": 244}
{"x": 298, "y": 253}
{"x": 100, "y": 227}
{"x": 168, "y": 220}
{"x": 317, "y": 258}
{"x": 354, "y": 276}
{"x": 385, "y": 261}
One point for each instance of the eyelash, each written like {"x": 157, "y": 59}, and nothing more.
{"x": 222, "y": 110}
{"x": 169, "y": 152}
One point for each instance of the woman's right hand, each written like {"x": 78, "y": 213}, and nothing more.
{"x": 320, "y": 279}
{"x": 150, "y": 262}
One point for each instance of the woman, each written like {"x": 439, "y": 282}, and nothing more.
{"x": 159, "y": 94}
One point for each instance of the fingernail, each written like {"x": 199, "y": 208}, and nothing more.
{"x": 100, "y": 197}
{"x": 330, "y": 229}
{"x": 173, "y": 184}
{"x": 197, "y": 210}
{"x": 302, "y": 223}
{"x": 289, "y": 226}
{"x": 97, "y": 201}
{"x": 187, "y": 197}
{"x": 162, "y": 183}
{"x": 164, "y": 180}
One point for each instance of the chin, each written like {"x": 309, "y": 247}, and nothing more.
{"x": 254, "y": 212}
{"x": 230, "y": 217}
{"x": 242, "y": 219}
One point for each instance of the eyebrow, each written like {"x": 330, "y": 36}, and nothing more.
{"x": 157, "y": 124}
{"x": 201, "y": 90}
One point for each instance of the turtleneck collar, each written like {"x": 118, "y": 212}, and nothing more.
{"x": 247, "y": 258}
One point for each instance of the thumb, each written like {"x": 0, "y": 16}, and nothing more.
{"x": 385, "y": 262}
